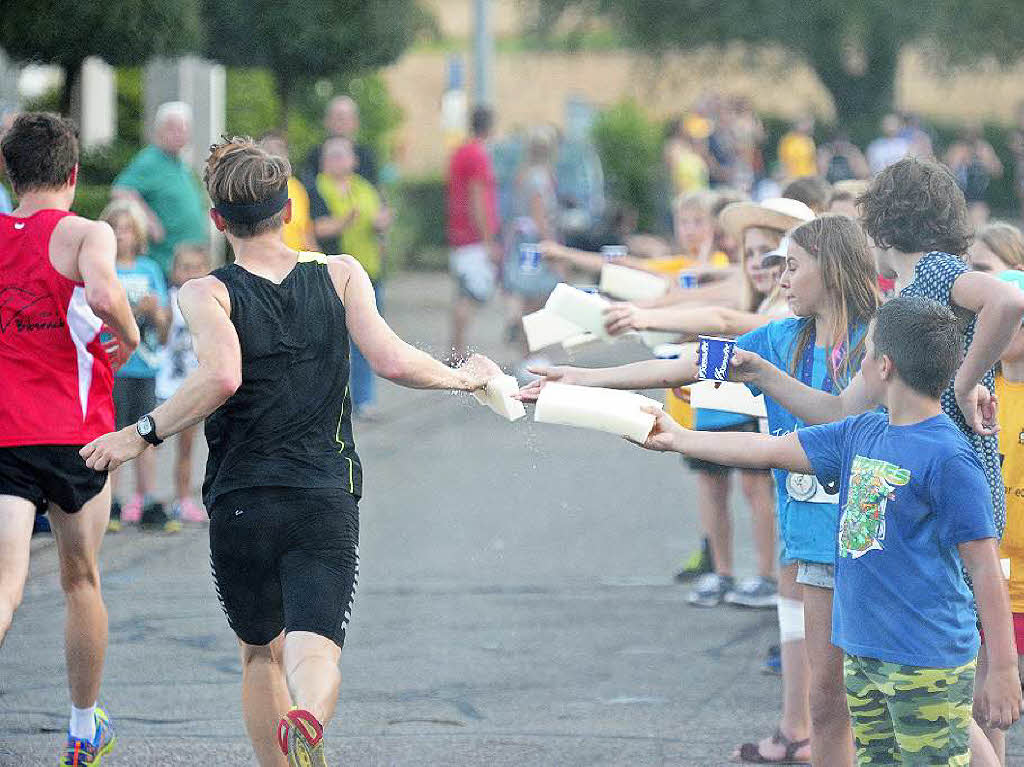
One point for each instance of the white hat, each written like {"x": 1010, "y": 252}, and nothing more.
{"x": 779, "y": 213}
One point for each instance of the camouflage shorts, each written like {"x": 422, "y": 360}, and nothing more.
{"x": 909, "y": 715}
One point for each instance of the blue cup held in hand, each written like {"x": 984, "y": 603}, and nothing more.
{"x": 529, "y": 257}
{"x": 713, "y": 357}
{"x": 687, "y": 280}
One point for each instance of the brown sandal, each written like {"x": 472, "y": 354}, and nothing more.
{"x": 751, "y": 752}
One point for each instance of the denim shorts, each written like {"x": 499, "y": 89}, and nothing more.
{"x": 816, "y": 574}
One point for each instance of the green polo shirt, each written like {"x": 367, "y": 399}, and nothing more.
{"x": 172, "y": 190}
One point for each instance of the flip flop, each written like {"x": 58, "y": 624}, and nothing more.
{"x": 750, "y": 753}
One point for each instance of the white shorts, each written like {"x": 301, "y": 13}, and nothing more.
{"x": 474, "y": 272}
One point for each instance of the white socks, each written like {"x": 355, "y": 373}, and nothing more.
{"x": 83, "y": 723}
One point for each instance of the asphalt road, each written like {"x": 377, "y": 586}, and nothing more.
{"x": 515, "y": 607}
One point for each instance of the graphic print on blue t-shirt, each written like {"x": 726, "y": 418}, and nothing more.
{"x": 871, "y": 486}
{"x": 911, "y": 495}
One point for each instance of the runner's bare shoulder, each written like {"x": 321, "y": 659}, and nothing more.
{"x": 341, "y": 269}
{"x": 75, "y": 237}
{"x": 204, "y": 288}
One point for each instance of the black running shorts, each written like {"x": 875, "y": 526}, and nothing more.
{"x": 285, "y": 558}
{"x": 45, "y": 473}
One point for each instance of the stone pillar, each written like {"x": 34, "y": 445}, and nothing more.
{"x": 9, "y": 73}
{"x": 94, "y": 104}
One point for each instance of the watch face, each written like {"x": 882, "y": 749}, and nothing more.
{"x": 145, "y": 426}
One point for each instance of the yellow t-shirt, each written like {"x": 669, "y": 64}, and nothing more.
{"x": 676, "y": 406}
{"x": 798, "y": 155}
{"x": 1011, "y": 447}
{"x": 297, "y": 233}
{"x": 690, "y": 172}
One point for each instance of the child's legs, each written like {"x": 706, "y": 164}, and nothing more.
{"x": 831, "y": 740}
{"x": 759, "y": 488}
{"x": 873, "y": 729}
{"x": 931, "y": 712}
{"x": 796, "y": 718}
{"x": 183, "y": 462}
{"x": 713, "y": 508}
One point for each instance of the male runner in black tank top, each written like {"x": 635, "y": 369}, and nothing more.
{"x": 283, "y": 480}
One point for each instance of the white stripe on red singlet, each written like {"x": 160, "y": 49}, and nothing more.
{"x": 83, "y": 326}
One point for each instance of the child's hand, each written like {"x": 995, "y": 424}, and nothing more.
{"x": 558, "y": 373}
{"x": 999, "y": 702}
{"x": 666, "y": 436}
{"x": 620, "y": 318}
{"x": 744, "y": 366}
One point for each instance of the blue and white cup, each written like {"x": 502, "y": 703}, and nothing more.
{"x": 592, "y": 289}
{"x": 613, "y": 252}
{"x": 687, "y": 279}
{"x": 713, "y": 357}
{"x": 530, "y": 256}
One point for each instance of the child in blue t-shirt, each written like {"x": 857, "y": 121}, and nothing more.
{"x": 135, "y": 382}
{"x": 915, "y": 507}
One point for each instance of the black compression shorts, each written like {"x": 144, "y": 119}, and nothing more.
{"x": 45, "y": 473}
{"x": 285, "y": 558}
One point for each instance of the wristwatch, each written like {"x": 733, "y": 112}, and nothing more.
{"x": 147, "y": 430}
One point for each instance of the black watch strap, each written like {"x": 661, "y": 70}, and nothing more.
{"x": 146, "y": 427}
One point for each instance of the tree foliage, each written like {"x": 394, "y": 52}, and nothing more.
{"x": 853, "y": 47}
{"x": 66, "y": 32}
{"x": 302, "y": 40}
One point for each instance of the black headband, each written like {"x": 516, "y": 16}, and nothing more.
{"x": 251, "y": 212}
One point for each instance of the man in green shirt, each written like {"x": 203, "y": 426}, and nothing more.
{"x": 166, "y": 186}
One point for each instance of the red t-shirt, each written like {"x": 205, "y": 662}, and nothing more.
{"x": 57, "y": 378}
{"x": 470, "y": 163}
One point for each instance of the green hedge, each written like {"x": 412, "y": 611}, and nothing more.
{"x": 418, "y": 238}
{"x": 91, "y": 199}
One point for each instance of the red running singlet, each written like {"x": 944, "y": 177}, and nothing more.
{"x": 55, "y": 379}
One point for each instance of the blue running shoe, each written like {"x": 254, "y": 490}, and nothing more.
{"x": 86, "y": 753}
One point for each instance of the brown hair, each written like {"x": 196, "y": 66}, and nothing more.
{"x": 241, "y": 171}
{"x": 812, "y": 191}
{"x": 916, "y": 206}
{"x": 40, "y": 151}
{"x": 1005, "y": 241}
{"x": 849, "y": 275}
{"x": 848, "y": 189}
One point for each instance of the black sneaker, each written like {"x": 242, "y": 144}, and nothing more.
{"x": 155, "y": 518}
{"x": 114, "y": 525}
{"x": 699, "y": 563}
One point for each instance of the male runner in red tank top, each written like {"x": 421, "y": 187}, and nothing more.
{"x": 58, "y": 287}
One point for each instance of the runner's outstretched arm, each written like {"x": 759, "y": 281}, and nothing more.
{"x": 390, "y": 356}
{"x": 205, "y": 307}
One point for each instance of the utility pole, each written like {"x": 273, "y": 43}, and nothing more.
{"x": 483, "y": 54}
